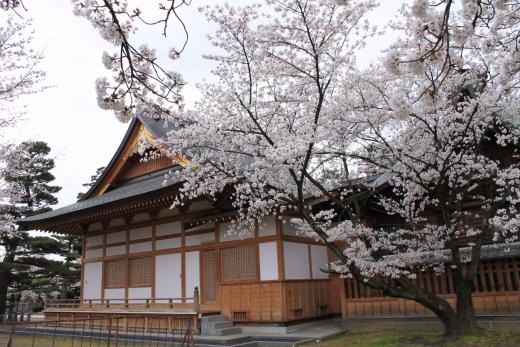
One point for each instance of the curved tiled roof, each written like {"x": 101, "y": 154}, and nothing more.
{"x": 487, "y": 252}
{"x": 134, "y": 188}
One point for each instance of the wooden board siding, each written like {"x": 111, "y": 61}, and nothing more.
{"x": 496, "y": 290}
{"x": 260, "y": 301}
{"x": 276, "y": 301}
{"x": 306, "y": 299}
{"x": 137, "y": 167}
{"x": 336, "y": 291}
{"x": 485, "y": 304}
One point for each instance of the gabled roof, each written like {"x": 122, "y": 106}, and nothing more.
{"x": 156, "y": 126}
{"x": 100, "y": 194}
{"x": 113, "y": 190}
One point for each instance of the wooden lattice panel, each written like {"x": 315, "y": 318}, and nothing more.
{"x": 239, "y": 263}
{"x": 240, "y": 316}
{"x": 209, "y": 276}
{"x": 500, "y": 275}
{"x": 115, "y": 273}
{"x": 140, "y": 272}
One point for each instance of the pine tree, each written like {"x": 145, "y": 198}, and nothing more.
{"x": 25, "y": 264}
{"x": 93, "y": 180}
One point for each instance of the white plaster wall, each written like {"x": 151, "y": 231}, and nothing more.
{"x": 200, "y": 239}
{"x": 296, "y": 258}
{"x": 268, "y": 261}
{"x": 192, "y": 273}
{"x": 115, "y": 293}
{"x": 267, "y": 226}
{"x": 94, "y": 241}
{"x": 168, "y": 276}
{"x": 200, "y": 205}
{"x": 209, "y": 225}
{"x": 140, "y": 247}
{"x": 116, "y": 250}
{"x": 141, "y": 217}
{"x": 93, "y": 253}
{"x": 319, "y": 260}
{"x": 225, "y": 234}
{"x": 168, "y": 243}
{"x": 167, "y": 212}
{"x": 116, "y": 222}
{"x": 168, "y": 229}
{"x": 95, "y": 227}
{"x": 141, "y": 233}
{"x": 119, "y": 236}
{"x": 92, "y": 279}
{"x": 139, "y": 293}
{"x": 288, "y": 228}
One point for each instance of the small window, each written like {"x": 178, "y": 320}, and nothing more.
{"x": 239, "y": 263}
{"x": 140, "y": 272}
{"x": 115, "y": 273}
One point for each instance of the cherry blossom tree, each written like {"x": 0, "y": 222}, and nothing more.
{"x": 19, "y": 76}
{"x": 19, "y": 72}
{"x": 293, "y": 119}
{"x": 445, "y": 125}
{"x": 139, "y": 83}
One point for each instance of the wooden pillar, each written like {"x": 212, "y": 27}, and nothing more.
{"x": 196, "y": 307}
{"x": 281, "y": 267}
{"x": 343, "y": 299}
{"x": 183, "y": 262}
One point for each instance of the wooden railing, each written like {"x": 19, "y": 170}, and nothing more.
{"x": 182, "y": 304}
{"x": 170, "y": 303}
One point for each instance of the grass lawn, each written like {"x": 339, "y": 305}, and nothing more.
{"x": 384, "y": 338}
{"x": 397, "y": 338}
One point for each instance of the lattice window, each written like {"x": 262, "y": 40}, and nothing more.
{"x": 115, "y": 273}
{"x": 239, "y": 263}
{"x": 140, "y": 272}
{"x": 209, "y": 276}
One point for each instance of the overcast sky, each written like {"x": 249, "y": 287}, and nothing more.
{"x": 82, "y": 136}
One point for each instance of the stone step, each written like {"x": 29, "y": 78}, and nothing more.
{"x": 213, "y": 319}
{"x": 227, "y": 331}
{"x": 222, "y": 325}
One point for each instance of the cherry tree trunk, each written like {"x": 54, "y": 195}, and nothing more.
{"x": 4, "y": 284}
{"x": 466, "y": 323}
{"x": 458, "y": 322}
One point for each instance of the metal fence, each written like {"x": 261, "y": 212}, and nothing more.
{"x": 94, "y": 332}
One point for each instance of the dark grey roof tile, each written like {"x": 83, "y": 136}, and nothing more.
{"x": 147, "y": 184}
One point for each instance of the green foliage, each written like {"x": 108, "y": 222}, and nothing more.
{"x": 36, "y": 194}
{"x": 93, "y": 180}
{"x": 40, "y": 264}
